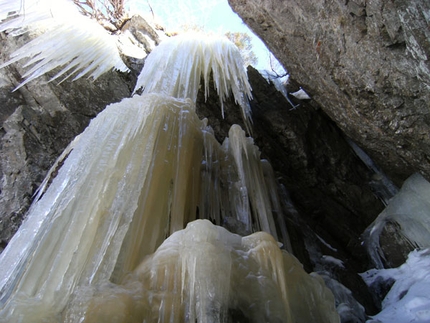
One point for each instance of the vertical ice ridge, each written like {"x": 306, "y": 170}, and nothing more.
{"x": 272, "y": 188}
{"x": 254, "y": 209}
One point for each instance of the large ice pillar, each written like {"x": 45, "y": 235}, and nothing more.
{"x": 92, "y": 250}
{"x": 73, "y": 235}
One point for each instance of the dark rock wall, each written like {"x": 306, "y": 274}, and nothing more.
{"x": 365, "y": 63}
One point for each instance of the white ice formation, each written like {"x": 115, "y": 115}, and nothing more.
{"x": 301, "y": 95}
{"x": 116, "y": 237}
{"x": 71, "y": 42}
{"x": 410, "y": 211}
{"x": 204, "y": 57}
{"x": 408, "y": 299}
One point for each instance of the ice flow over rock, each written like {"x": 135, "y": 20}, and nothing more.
{"x": 106, "y": 241}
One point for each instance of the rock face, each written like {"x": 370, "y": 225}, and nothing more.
{"x": 366, "y": 64}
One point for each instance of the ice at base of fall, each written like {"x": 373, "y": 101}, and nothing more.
{"x": 129, "y": 230}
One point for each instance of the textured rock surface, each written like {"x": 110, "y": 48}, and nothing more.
{"x": 365, "y": 62}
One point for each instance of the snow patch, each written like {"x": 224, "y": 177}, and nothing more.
{"x": 409, "y": 298}
{"x": 301, "y": 95}
{"x": 333, "y": 261}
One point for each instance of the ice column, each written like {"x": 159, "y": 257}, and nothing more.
{"x": 106, "y": 241}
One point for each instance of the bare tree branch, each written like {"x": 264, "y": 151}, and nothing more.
{"x": 112, "y": 11}
{"x": 150, "y": 8}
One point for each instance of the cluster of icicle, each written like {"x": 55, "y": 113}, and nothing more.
{"x": 128, "y": 231}
{"x": 204, "y": 55}
{"x": 71, "y": 42}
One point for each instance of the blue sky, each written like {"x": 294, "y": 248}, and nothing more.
{"x": 212, "y": 15}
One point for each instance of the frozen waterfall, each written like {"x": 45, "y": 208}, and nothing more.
{"x": 130, "y": 228}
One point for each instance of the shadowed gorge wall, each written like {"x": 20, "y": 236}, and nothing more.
{"x": 326, "y": 182}
{"x": 365, "y": 63}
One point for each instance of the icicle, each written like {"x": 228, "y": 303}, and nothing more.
{"x": 215, "y": 174}
{"x": 21, "y": 14}
{"x": 69, "y": 39}
{"x": 254, "y": 199}
{"x": 176, "y": 66}
{"x": 242, "y": 209}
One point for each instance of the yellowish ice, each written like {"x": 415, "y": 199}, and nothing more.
{"x": 130, "y": 228}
